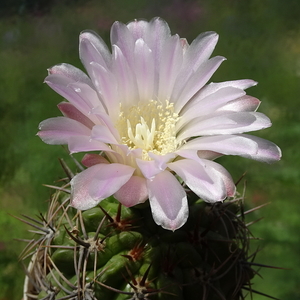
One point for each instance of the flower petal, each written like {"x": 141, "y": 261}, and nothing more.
{"x": 93, "y": 49}
{"x": 225, "y": 144}
{"x": 81, "y": 95}
{"x": 213, "y": 87}
{"x": 224, "y": 175}
{"x": 85, "y": 143}
{"x": 121, "y": 37}
{"x": 243, "y": 145}
{"x": 107, "y": 121}
{"x": 209, "y": 104}
{"x": 125, "y": 78}
{"x": 196, "y": 154}
{"x": 196, "y": 81}
{"x": 195, "y": 55}
{"x": 201, "y": 178}
{"x": 144, "y": 70}
{"x": 209, "y": 180}
{"x": 96, "y": 183}
{"x": 266, "y": 151}
{"x": 111, "y": 178}
{"x": 168, "y": 201}
{"x": 225, "y": 123}
{"x": 150, "y": 168}
{"x": 245, "y": 103}
{"x": 162, "y": 160}
{"x": 92, "y": 159}
{"x": 172, "y": 56}
{"x": 70, "y": 111}
{"x": 57, "y": 131}
{"x": 156, "y": 35}
{"x": 102, "y": 134}
{"x": 200, "y": 50}
{"x": 71, "y": 72}
{"x": 106, "y": 85}
{"x": 138, "y": 28}
{"x": 133, "y": 192}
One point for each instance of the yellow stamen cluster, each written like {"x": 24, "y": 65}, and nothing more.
{"x": 150, "y": 126}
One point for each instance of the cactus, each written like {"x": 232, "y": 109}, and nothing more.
{"x": 115, "y": 252}
{"x": 147, "y": 218}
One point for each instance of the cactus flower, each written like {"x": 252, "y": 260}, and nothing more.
{"x": 149, "y": 121}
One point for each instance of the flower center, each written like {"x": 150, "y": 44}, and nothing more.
{"x": 150, "y": 126}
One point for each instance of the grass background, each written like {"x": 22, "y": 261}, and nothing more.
{"x": 261, "y": 40}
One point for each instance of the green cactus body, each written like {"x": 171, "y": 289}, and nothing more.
{"x": 119, "y": 253}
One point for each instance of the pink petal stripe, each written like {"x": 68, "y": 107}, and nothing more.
{"x": 144, "y": 70}
{"x": 126, "y": 79}
{"x": 138, "y": 29}
{"x": 171, "y": 63}
{"x": 85, "y": 143}
{"x": 200, "y": 178}
{"x": 93, "y": 49}
{"x": 224, "y": 123}
{"x": 82, "y": 96}
{"x": 92, "y": 159}
{"x": 195, "y": 82}
{"x": 88, "y": 95}
{"x": 106, "y": 85}
{"x": 133, "y": 192}
{"x": 243, "y": 145}
{"x": 121, "y": 37}
{"x": 162, "y": 160}
{"x": 80, "y": 196}
{"x": 71, "y": 72}
{"x": 208, "y": 105}
{"x": 195, "y": 55}
{"x": 245, "y": 103}
{"x": 224, "y": 175}
{"x": 196, "y": 154}
{"x": 200, "y": 50}
{"x": 158, "y": 32}
{"x": 96, "y": 183}
{"x": 58, "y": 130}
{"x": 122, "y": 154}
{"x": 149, "y": 168}
{"x": 225, "y": 144}
{"x": 107, "y": 121}
{"x": 111, "y": 178}
{"x": 213, "y": 87}
{"x": 168, "y": 201}
{"x": 70, "y": 111}
{"x": 103, "y": 134}
{"x": 267, "y": 151}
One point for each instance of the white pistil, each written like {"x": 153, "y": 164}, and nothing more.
{"x": 149, "y": 126}
{"x": 144, "y": 137}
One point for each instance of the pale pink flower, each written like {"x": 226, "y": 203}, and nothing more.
{"x": 147, "y": 110}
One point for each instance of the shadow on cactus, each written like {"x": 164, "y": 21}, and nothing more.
{"x": 117, "y": 253}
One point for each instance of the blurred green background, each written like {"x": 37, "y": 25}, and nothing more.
{"x": 261, "y": 40}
